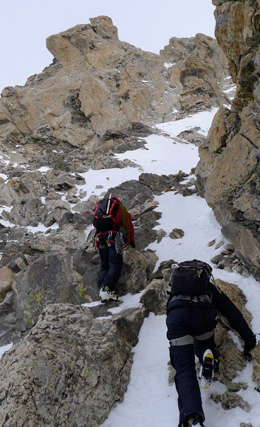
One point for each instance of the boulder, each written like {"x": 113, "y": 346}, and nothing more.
{"x": 70, "y": 369}
{"x": 52, "y": 278}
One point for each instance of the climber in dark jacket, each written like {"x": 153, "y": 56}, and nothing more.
{"x": 190, "y": 326}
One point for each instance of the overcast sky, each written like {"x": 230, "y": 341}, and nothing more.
{"x": 148, "y": 24}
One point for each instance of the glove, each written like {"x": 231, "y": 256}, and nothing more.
{"x": 132, "y": 244}
{"x": 249, "y": 345}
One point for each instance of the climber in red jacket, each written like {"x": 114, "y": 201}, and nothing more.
{"x": 114, "y": 230}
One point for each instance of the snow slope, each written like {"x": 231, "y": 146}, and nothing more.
{"x": 150, "y": 401}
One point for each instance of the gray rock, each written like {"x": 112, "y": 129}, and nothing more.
{"x": 155, "y": 296}
{"x": 230, "y": 400}
{"x": 176, "y": 233}
{"x": 53, "y": 278}
{"x": 70, "y": 369}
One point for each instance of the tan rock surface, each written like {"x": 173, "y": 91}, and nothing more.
{"x": 228, "y": 171}
{"x": 6, "y": 281}
{"x": 98, "y": 84}
{"x": 197, "y": 67}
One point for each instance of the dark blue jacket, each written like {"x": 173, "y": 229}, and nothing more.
{"x": 224, "y": 306}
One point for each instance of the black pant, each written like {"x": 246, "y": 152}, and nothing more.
{"x": 111, "y": 264}
{"x": 189, "y": 319}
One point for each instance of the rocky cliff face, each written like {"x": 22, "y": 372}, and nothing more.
{"x": 98, "y": 85}
{"x": 98, "y": 98}
{"x": 228, "y": 171}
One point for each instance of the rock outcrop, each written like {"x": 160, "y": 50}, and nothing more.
{"x": 98, "y": 85}
{"x": 228, "y": 171}
{"x": 70, "y": 369}
{"x": 198, "y": 67}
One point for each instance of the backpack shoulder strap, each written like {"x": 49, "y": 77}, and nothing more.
{"x": 113, "y": 205}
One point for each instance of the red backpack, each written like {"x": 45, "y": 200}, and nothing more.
{"x": 104, "y": 217}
